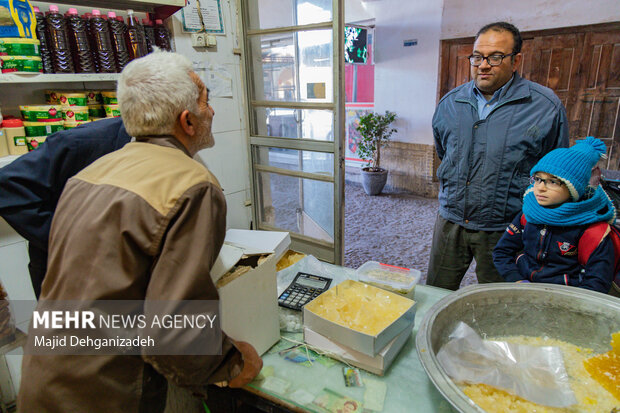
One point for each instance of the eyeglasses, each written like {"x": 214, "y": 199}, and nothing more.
{"x": 494, "y": 60}
{"x": 550, "y": 183}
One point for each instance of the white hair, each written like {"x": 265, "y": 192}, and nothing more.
{"x": 153, "y": 90}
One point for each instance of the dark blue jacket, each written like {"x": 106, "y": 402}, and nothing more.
{"x": 549, "y": 254}
{"x": 485, "y": 164}
{"x": 31, "y": 185}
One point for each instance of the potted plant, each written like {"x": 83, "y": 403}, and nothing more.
{"x": 375, "y": 133}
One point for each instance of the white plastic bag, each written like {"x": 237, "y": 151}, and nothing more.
{"x": 533, "y": 373}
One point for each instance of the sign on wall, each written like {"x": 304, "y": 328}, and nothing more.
{"x": 206, "y": 19}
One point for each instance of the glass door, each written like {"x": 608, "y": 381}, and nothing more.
{"x": 295, "y": 92}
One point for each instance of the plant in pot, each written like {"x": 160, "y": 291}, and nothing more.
{"x": 375, "y": 132}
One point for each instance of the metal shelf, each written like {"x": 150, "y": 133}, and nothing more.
{"x": 5, "y": 160}
{"x": 162, "y": 9}
{"x": 57, "y": 78}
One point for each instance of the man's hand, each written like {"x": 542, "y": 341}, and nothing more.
{"x": 252, "y": 364}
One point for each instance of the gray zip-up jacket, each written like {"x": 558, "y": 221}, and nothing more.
{"x": 486, "y": 163}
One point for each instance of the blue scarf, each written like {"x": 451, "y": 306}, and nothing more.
{"x": 582, "y": 212}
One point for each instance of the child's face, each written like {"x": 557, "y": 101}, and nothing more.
{"x": 549, "y": 190}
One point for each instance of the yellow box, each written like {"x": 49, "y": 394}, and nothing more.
{"x": 17, "y": 19}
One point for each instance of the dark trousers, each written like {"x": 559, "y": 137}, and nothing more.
{"x": 37, "y": 267}
{"x": 453, "y": 249}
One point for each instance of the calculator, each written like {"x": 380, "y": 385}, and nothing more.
{"x": 304, "y": 288}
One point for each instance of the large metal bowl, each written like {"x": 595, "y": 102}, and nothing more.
{"x": 574, "y": 315}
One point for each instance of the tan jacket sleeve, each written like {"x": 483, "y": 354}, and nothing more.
{"x": 189, "y": 246}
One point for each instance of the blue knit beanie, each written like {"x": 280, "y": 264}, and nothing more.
{"x": 573, "y": 165}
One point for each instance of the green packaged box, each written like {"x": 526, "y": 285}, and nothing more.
{"x": 109, "y": 97}
{"x": 15, "y": 46}
{"x": 42, "y": 128}
{"x": 45, "y": 112}
{"x": 21, "y": 64}
{"x": 96, "y": 111}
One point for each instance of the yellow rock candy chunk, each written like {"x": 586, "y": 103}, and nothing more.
{"x": 605, "y": 368}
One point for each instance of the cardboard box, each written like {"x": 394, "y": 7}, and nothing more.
{"x": 246, "y": 279}
{"x": 377, "y": 364}
{"x": 362, "y": 342}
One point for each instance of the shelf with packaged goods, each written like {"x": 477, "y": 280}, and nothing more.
{"x": 57, "y": 77}
{"x": 5, "y": 160}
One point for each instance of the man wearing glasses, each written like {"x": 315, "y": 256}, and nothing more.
{"x": 488, "y": 133}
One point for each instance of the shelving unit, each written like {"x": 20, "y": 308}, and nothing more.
{"x": 5, "y": 160}
{"x": 57, "y": 78}
{"x": 161, "y": 9}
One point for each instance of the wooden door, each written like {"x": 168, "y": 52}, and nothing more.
{"x": 555, "y": 64}
{"x": 581, "y": 65}
{"x": 455, "y": 68}
{"x": 598, "y": 101}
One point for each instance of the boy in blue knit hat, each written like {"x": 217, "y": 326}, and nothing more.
{"x": 541, "y": 243}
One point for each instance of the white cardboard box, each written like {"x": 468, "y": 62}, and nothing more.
{"x": 377, "y": 364}
{"x": 249, "y": 303}
{"x": 368, "y": 344}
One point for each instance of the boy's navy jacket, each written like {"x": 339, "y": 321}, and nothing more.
{"x": 548, "y": 254}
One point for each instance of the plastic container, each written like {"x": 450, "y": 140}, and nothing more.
{"x": 109, "y": 97}
{"x": 75, "y": 113}
{"x": 142, "y": 36}
{"x": 15, "y": 136}
{"x": 21, "y": 64}
{"x": 96, "y": 111}
{"x": 162, "y": 36}
{"x": 112, "y": 111}
{"x": 12, "y": 46}
{"x": 388, "y": 277}
{"x": 91, "y": 40}
{"x": 51, "y": 97}
{"x": 59, "y": 41}
{"x": 33, "y": 142}
{"x": 44, "y": 49}
{"x": 149, "y": 34}
{"x": 80, "y": 43}
{"x": 136, "y": 41}
{"x": 72, "y": 99}
{"x": 104, "y": 52}
{"x": 41, "y": 112}
{"x": 93, "y": 97}
{"x": 4, "y": 149}
{"x": 43, "y": 128}
{"x": 118, "y": 28}
{"x": 71, "y": 125}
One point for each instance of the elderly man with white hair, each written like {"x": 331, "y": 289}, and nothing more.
{"x": 145, "y": 222}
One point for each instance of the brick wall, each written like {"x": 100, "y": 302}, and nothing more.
{"x": 411, "y": 168}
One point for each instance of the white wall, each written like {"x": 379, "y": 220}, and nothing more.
{"x": 228, "y": 159}
{"x": 461, "y": 19}
{"x": 358, "y": 11}
{"x": 406, "y": 77}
